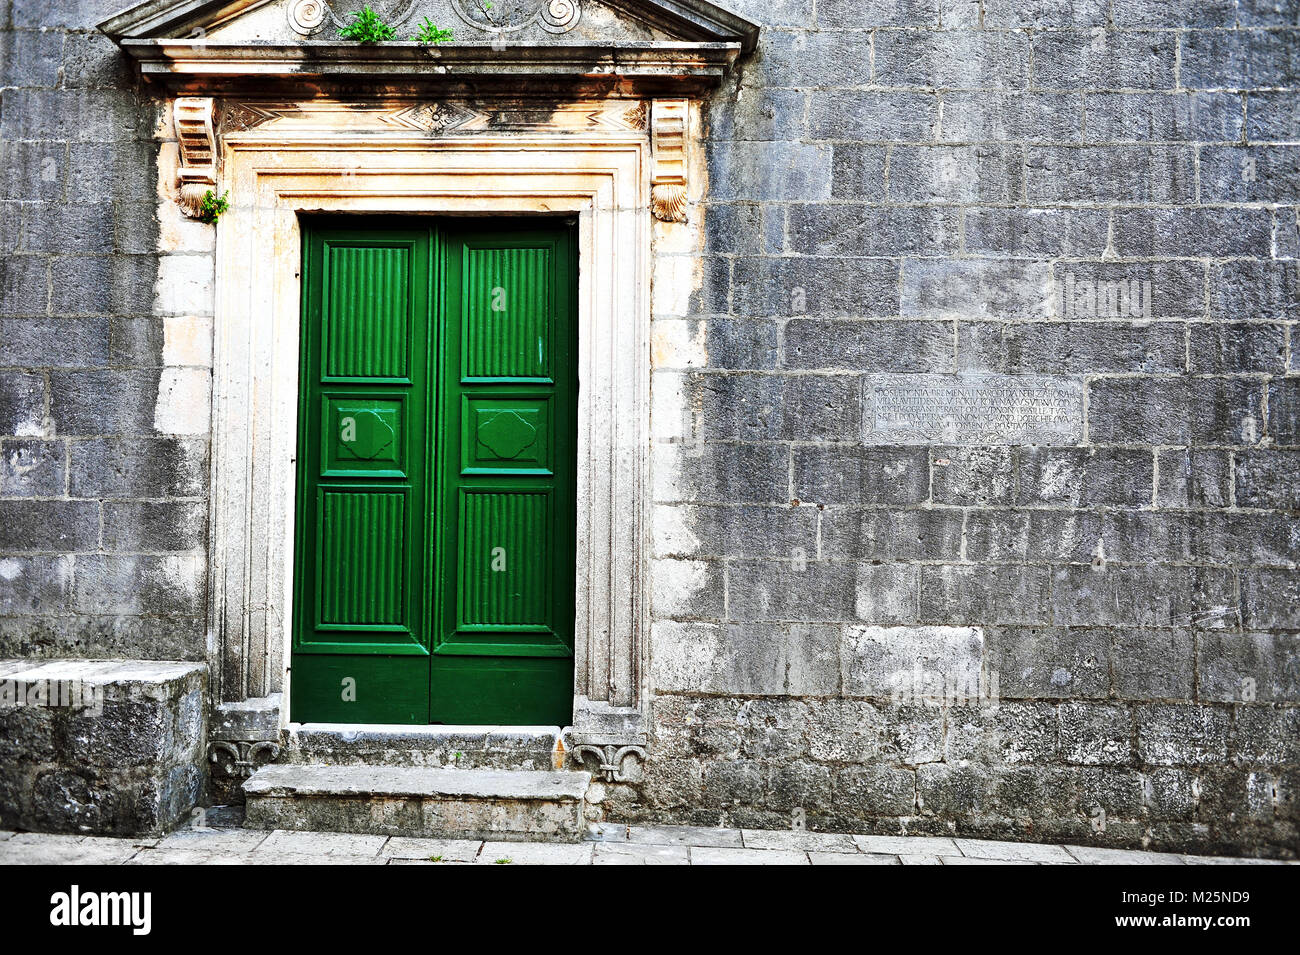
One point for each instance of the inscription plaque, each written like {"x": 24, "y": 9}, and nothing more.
{"x": 972, "y": 409}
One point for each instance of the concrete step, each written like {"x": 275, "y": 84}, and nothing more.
{"x": 493, "y": 804}
{"x": 431, "y": 747}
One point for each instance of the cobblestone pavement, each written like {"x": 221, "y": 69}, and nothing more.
{"x": 611, "y": 844}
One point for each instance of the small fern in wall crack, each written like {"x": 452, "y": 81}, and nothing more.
{"x": 430, "y": 33}
{"x": 367, "y": 27}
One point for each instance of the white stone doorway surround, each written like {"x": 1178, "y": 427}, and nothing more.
{"x": 604, "y": 182}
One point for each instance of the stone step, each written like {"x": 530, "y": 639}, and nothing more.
{"x": 432, "y": 747}
{"x": 493, "y": 804}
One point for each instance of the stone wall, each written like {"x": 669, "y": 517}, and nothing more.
{"x": 886, "y": 618}
{"x": 103, "y": 391}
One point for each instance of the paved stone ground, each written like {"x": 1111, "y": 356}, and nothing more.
{"x": 612, "y": 844}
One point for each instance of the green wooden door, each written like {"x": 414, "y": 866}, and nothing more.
{"x": 436, "y": 489}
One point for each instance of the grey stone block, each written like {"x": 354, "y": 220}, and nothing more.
{"x": 872, "y": 346}
{"x": 886, "y": 594}
{"x": 1011, "y": 117}
{"x": 1062, "y": 348}
{"x": 1067, "y": 60}
{"x": 759, "y": 114}
{"x": 84, "y": 115}
{"x": 740, "y": 531}
{"x": 139, "y": 584}
{"x": 846, "y": 14}
{"x": 810, "y": 58}
{"x": 1237, "y": 60}
{"x": 1237, "y": 347}
{"x": 30, "y": 58}
{"x": 853, "y": 229}
{"x": 1284, "y": 411}
{"x": 798, "y": 785}
{"x": 732, "y": 782}
{"x": 89, "y": 403}
{"x": 688, "y": 589}
{"x": 1004, "y": 735}
{"x": 1266, "y": 736}
{"x": 774, "y": 171}
{"x": 1197, "y": 477}
{"x": 1036, "y": 233}
{"x": 1197, "y": 14}
{"x": 776, "y": 407}
{"x": 972, "y": 476}
{"x": 1143, "y": 596}
{"x": 858, "y": 172}
{"x": 33, "y": 171}
{"x": 154, "y": 526}
{"x": 876, "y": 790}
{"x": 773, "y": 729}
{"x": 892, "y": 535}
{"x": 1096, "y": 734}
{"x": 798, "y": 592}
{"x": 753, "y": 659}
{"x": 1272, "y": 115}
{"x": 127, "y": 761}
{"x": 951, "y": 59}
{"x": 847, "y": 475}
{"x": 1047, "y": 663}
{"x": 975, "y": 288}
{"x": 1249, "y": 291}
{"x": 984, "y": 595}
{"x": 952, "y": 174}
{"x": 878, "y": 117}
{"x": 1212, "y": 233}
{"x": 1267, "y": 479}
{"x": 1248, "y": 667}
{"x": 54, "y": 342}
{"x": 722, "y": 473}
{"x": 913, "y": 665}
{"x": 1182, "y": 735}
{"x": 459, "y": 804}
{"x": 1002, "y": 536}
{"x": 1177, "y": 117}
{"x": 1250, "y": 174}
{"x": 1081, "y": 477}
{"x": 58, "y": 526}
{"x": 34, "y": 585}
{"x": 138, "y": 466}
{"x": 22, "y": 402}
{"x": 1129, "y": 290}
{"x": 1046, "y": 14}
{"x": 1179, "y": 411}
{"x": 24, "y": 285}
{"x": 1154, "y": 665}
{"x": 30, "y": 467}
{"x": 829, "y": 287}
{"x": 1270, "y": 599}
{"x": 1131, "y": 174}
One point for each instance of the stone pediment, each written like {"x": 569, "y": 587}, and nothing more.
{"x": 642, "y": 44}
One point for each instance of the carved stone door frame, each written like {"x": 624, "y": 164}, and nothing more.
{"x": 606, "y": 182}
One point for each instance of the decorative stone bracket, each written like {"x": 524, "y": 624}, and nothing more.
{"x": 196, "y": 138}
{"x": 669, "y": 122}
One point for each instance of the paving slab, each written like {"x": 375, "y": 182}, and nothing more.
{"x": 913, "y": 845}
{"x": 235, "y": 841}
{"x": 685, "y": 836}
{"x": 536, "y": 853}
{"x": 793, "y": 839}
{"x": 322, "y": 843}
{"x": 722, "y": 855}
{"x": 188, "y": 857}
{"x": 431, "y": 850}
{"x": 1096, "y": 855}
{"x": 1014, "y": 851}
{"x": 851, "y": 858}
{"x": 910, "y": 859}
{"x": 68, "y": 850}
{"x": 624, "y": 853}
{"x": 969, "y": 860}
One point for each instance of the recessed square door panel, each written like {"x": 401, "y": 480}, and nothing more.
{"x": 506, "y": 434}
{"x": 363, "y": 435}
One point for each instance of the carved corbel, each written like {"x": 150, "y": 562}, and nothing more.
{"x": 197, "y": 140}
{"x": 669, "y": 121}
{"x": 610, "y": 759}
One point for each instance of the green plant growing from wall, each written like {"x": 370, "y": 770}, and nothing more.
{"x": 430, "y": 33}
{"x": 367, "y": 27}
{"x": 212, "y": 206}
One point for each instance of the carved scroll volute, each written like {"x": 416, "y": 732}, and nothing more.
{"x": 669, "y": 120}
{"x": 196, "y": 138}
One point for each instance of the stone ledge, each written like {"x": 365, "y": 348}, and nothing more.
{"x": 381, "y": 781}
{"x": 406, "y": 801}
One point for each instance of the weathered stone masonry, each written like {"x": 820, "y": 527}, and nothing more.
{"x": 1102, "y": 194}
{"x": 1099, "y": 198}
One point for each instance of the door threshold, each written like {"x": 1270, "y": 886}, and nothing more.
{"x": 438, "y": 745}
